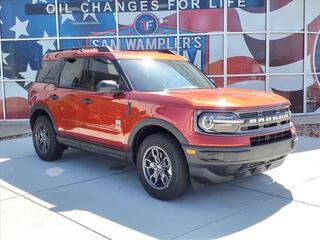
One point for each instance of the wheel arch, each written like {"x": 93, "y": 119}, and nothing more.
{"x": 147, "y": 127}
{"x": 40, "y": 110}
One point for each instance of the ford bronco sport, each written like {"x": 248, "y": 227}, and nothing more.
{"x": 159, "y": 111}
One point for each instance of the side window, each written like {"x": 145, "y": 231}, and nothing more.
{"x": 52, "y": 76}
{"x": 99, "y": 69}
{"x": 44, "y": 69}
{"x": 71, "y": 73}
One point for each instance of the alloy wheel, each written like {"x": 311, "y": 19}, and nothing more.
{"x": 157, "y": 167}
{"x": 42, "y": 139}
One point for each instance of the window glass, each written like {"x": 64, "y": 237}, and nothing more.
{"x": 71, "y": 73}
{"x": 205, "y": 52}
{"x": 246, "y": 53}
{"x": 290, "y": 87}
{"x": 204, "y": 16}
{"x": 16, "y": 99}
{"x": 92, "y": 42}
{"x": 78, "y": 18}
{"x": 196, "y": 49}
{"x": 251, "y": 82}
{"x": 99, "y": 69}
{"x": 247, "y": 16}
{"x": 52, "y": 76}
{"x": 312, "y": 16}
{"x": 142, "y": 17}
{"x": 44, "y": 69}
{"x": 27, "y": 19}
{"x": 286, "y": 15}
{"x": 313, "y": 60}
{"x": 149, "y": 43}
{"x": 1, "y": 102}
{"x": 313, "y": 92}
{"x": 21, "y": 59}
{"x": 286, "y": 53}
{"x": 159, "y": 75}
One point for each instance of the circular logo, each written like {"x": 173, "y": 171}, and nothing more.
{"x": 146, "y": 23}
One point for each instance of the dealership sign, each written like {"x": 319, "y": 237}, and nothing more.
{"x": 138, "y": 6}
{"x": 146, "y": 24}
{"x": 194, "y": 47}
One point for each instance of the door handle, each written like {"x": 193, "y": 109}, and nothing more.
{"x": 54, "y": 97}
{"x": 86, "y": 100}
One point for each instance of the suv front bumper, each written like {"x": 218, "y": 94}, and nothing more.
{"x": 220, "y": 164}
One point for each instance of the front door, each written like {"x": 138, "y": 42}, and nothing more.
{"x": 102, "y": 116}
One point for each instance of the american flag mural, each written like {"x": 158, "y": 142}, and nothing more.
{"x": 192, "y": 28}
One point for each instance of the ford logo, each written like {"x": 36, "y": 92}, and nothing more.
{"x": 146, "y": 24}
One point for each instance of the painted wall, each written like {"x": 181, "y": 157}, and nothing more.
{"x": 238, "y": 43}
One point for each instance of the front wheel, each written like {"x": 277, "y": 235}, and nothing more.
{"x": 162, "y": 167}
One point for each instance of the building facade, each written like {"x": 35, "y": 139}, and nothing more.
{"x": 267, "y": 45}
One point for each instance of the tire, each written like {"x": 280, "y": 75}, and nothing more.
{"x": 154, "y": 176}
{"x": 43, "y": 131}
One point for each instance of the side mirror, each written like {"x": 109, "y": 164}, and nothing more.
{"x": 108, "y": 87}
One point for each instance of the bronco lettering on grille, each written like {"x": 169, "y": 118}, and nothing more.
{"x": 269, "y": 118}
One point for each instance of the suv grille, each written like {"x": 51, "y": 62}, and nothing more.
{"x": 264, "y": 119}
{"x": 272, "y": 138}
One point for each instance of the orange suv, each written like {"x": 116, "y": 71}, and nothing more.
{"x": 160, "y": 112}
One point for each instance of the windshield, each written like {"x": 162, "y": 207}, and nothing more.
{"x": 148, "y": 75}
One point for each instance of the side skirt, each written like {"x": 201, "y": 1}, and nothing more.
{"x": 92, "y": 147}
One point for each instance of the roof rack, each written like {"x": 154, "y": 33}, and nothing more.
{"x": 100, "y": 49}
{"x": 166, "y": 51}
{"x": 109, "y": 49}
{"x": 155, "y": 50}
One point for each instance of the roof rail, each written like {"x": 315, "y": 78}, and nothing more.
{"x": 100, "y": 49}
{"x": 166, "y": 51}
{"x": 154, "y": 50}
{"x": 109, "y": 49}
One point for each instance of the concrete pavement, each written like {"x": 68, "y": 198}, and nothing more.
{"x": 11, "y": 129}
{"x": 88, "y": 196}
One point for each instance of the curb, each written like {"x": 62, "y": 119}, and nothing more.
{"x": 11, "y": 137}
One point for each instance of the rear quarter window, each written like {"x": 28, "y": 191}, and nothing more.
{"x": 44, "y": 69}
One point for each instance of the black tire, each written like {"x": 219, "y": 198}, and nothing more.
{"x": 179, "y": 178}
{"x": 54, "y": 150}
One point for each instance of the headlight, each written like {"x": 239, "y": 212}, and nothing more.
{"x": 219, "y": 122}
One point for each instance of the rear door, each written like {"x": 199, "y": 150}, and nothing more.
{"x": 44, "y": 89}
{"x": 66, "y": 96}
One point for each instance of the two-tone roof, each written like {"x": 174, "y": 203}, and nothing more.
{"x": 113, "y": 54}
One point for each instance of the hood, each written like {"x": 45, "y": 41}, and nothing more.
{"x": 222, "y": 98}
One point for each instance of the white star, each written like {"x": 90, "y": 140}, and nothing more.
{"x": 20, "y": 28}
{"x": 93, "y": 15}
{"x": 66, "y": 16}
{"x": 4, "y": 56}
{"x": 29, "y": 74}
{"x": 46, "y": 44}
{"x": 36, "y": 1}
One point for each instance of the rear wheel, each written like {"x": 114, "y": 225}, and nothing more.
{"x": 162, "y": 167}
{"x": 45, "y": 141}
